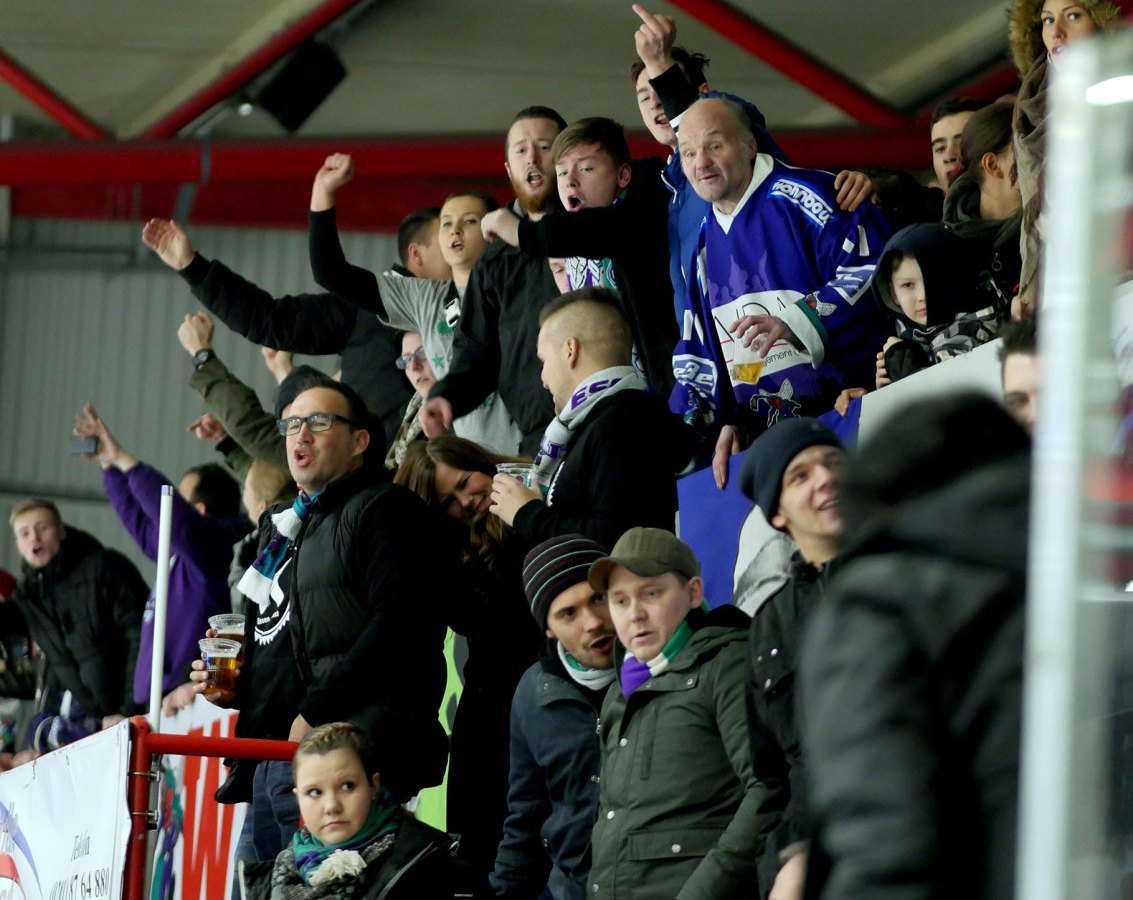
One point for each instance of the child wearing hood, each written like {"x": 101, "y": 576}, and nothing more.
{"x": 927, "y": 281}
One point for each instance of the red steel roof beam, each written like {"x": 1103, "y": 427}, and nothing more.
{"x": 436, "y": 158}
{"x": 793, "y": 61}
{"x": 251, "y": 67}
{"x": 70, "y": 117}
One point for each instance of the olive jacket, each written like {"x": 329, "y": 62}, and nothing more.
{"x": 678, "y": 800}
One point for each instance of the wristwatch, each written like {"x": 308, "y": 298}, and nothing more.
{"x": 202, "y": 356}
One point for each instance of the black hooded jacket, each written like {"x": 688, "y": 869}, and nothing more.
{"x": 993, "y": 242}
{"x": 84, "y": 609}
{"x": 958, "y": 305}
{"x": 494, "y": 345}
{"x": 912, "y": 667}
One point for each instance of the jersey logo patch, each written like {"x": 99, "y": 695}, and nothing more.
{"x": 812, "y": 205}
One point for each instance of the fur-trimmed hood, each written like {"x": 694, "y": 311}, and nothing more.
{"x": 1025, "y": 30}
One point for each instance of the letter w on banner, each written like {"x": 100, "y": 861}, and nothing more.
{"x": 196, "y": 836}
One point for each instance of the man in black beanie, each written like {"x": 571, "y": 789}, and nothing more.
{"x": 555, "y": 755}
{"x": 792, "y": 473}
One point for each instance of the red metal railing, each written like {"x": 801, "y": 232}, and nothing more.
{"x": 144, "y": 745}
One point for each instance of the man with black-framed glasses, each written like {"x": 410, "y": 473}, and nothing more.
{"x": 335, "y": 630}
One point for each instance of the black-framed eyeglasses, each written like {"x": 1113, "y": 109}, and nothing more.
{"x": 315, "y": 421}
{"x": 404, "y": 361}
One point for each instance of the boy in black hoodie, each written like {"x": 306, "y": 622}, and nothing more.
{"x": 926, "y": 279}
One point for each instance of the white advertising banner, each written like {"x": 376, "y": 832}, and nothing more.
{"x": 64, "y": 823}
{"x": 196, "y": 836}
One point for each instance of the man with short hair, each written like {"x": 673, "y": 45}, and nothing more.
{"x": 677, "y": 806}
{"x": 667, "y": 79}
{"x": 310, "y": 323}
{"x": 555, "y": 757}
{"x": 611, "y": 234}
{"x": 335, "y": 630}
{"x": 83, "y": 606}
{"x": 947, "y": 127}
{"x": 1021, "y": 371}
{"x": 609, "y": 458}
{"x": 780, "y": 268}
{"x": 494, "y": 349}
{"x": 792, "y": 473}
{"x": 206, "y": 524}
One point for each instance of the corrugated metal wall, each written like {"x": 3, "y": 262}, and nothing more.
{"x": 88, "y": 313}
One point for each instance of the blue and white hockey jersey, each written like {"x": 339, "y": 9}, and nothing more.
{"x": 786, "y": 251}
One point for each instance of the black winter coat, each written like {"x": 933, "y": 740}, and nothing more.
{"x": 775, "y": 639}
{"x": 417, "y": 867}
{"x": 619, "y": 471}
{"x": 494, "y": 346}
{"x": 368, "y": 645}
{"x": 84, "y": 609}
{"x": 491, "y": 611}
{"x": 911, "y": 682}
{"x": 366, "y": 628}
{"x": 310, "y": 323}
{"x": 556, "y": 762}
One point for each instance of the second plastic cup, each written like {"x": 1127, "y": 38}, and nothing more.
{"x": 231, "y": 627}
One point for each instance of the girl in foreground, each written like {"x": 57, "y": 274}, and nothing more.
{"x": 355, "y": 841}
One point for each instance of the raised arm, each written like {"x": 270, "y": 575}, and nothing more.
{"x": 332, "y": 272}
{"x": 303, "y": 323}
{"x": 193, "y": 535}
{"x": 606, "y": 231}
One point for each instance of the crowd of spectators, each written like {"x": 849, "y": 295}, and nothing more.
{"x": 499, "y": 455}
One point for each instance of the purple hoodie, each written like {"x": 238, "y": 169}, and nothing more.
{"x": 201, "y": 552}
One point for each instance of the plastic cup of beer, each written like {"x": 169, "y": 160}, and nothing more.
{"x": 231, "y": 627}
{"x": 747, "y": 364}
{"x": 219, "y": 655}
{"x": 522, "y": 472}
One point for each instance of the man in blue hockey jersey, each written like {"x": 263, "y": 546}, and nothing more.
{"x": 777, "y": 265}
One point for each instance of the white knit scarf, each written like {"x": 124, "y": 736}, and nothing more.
{"x": 590, "y": 678}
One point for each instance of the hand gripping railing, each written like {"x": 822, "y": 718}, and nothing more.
{"x": 145, "y": 744}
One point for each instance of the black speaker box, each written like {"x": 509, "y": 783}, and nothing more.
{"x": 304, "y": 81}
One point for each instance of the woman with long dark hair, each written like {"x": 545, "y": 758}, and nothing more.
{"x": 1040, "y": 30}
{"x": 455, "y": 475}
{"x": 983, "y": 206}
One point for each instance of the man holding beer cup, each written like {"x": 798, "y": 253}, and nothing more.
{"x": 335, "y": 629}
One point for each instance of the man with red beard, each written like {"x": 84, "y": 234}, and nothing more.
{"x": 494, "y": 349}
